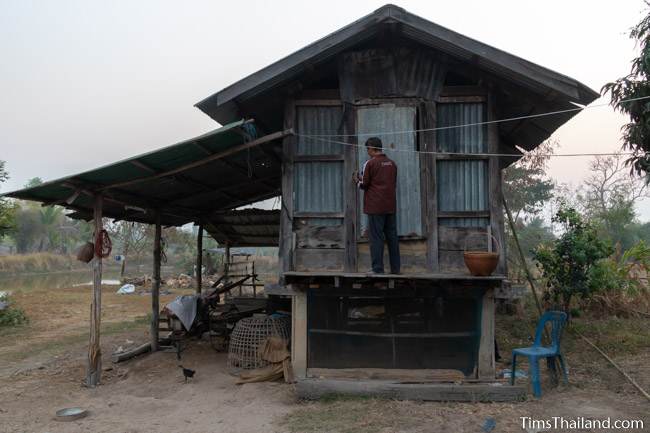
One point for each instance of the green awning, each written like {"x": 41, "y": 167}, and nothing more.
{"x": 186, "y": 182}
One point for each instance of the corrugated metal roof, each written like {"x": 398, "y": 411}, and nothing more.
{"x": 245, "y": 227}
{"x": 137, "y": 187}
{"x": 528, "y": 87}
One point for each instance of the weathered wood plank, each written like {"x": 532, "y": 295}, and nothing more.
{"x": 392, "y": 374}
{"x": 452, "y": 261}
{"x": 312, "y": 389}
{"x": 304, "y": 214}
{"x": 428, "y": 139}
{"x": 486, "y": 366}
{"x": 309, "y": 236}
{"x": 307, "y": 259}
{"x": 455, "y": 238}
{"x": 299, "y": 334}
{"x": 286, "y": 212}
{"x": 123, "y": 356}
{"x": 351, "y": 193}
{"x": 495, "y": 183}
{"x": 442, "y": 276}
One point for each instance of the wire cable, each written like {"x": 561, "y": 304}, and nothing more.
{"x": 488, "y": 122}
{"x": 324, "y": 138}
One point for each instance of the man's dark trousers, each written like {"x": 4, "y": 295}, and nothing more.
{"x": 382, "y": 227}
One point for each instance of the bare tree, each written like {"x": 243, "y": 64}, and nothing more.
{"x": 611, "y": 184}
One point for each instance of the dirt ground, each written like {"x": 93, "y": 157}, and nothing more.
{"x": 43, "y": 364}
{"x": 148, "y": 394}
{"x": 61, "y": 316}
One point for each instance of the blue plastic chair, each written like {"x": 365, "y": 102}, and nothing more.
{"x": 537, "y": 351}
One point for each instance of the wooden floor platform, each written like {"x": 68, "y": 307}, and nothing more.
{"x": 363, "y": 275}
{"x": 313, "y": 389}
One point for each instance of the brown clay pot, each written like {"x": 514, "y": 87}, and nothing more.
{"x": 481, "y": 263}
{"x": 86, "y": 252}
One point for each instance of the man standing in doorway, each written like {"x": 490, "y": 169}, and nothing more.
{"x": 378, "y": 179}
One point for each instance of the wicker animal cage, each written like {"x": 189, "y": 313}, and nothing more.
{"x": 245, "y": 340}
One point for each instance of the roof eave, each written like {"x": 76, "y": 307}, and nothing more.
{"x": 499, "y": 62}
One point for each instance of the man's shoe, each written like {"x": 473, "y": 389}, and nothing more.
{"x": 371, "y": 272}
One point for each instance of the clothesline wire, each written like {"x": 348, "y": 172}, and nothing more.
{"x": 488, "y": 122}
{"x": 323, "y": 137}
{"x": 461, "y": 154}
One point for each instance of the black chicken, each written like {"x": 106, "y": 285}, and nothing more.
{"x": 187, "y": 373}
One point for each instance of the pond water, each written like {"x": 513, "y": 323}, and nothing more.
{"x": 54, "y": 280}
{"x": 59, "y": 280}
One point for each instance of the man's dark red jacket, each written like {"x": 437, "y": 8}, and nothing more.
{"x": 379, "y": 183}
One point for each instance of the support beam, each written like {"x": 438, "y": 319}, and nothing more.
{"x": 495, "y": 183}
{"x": 155, "y": 285}
{"x": 143, "y": 166}
{"x": 486, "y": 366}
{"x": 94, "y": 371}
{"x": 235, "y": 149}
{"x": 299, "y": 334}
{"x": 199, "y": 259}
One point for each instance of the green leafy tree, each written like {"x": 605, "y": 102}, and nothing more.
{"x": 51, "y": 218}
{"x": 28, "y": 230}
{"x": 34, "y": 181}
{"x": 625, "y": 93}
{"x": 569, "y": 264}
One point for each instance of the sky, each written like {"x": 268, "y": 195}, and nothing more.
{"x": 86, "y": 83}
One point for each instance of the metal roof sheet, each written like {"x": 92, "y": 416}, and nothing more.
{"x": 136, "y": 188}
{"x": 531, "y": 88}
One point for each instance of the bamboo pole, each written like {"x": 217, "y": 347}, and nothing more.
{"x": 539, "y": 308}
{"x": 94, "y": 370}
{"x": 155, "y": 285}
{"x": 511, "y": 222}
{"x": 199, "y": 259}
{"x": 611, "y": 361}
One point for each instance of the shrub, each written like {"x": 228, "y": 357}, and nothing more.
{"x": 571, "y": 265}
{"x": 11, "y": 315}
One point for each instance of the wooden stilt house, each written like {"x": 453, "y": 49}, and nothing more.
{"x": 432, "y": 96}
{"x": 439, "y": 101}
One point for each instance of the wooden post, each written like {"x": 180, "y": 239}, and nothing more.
{"x": 199, "y": 259}
{"x": 285, "y": 250}
{"x": 486, "y": 366}
{"x": 94, "y": 372}
{"x": 226, "y": 263}
{"x": 495, "y": 183}
{"x": 155, "y": 286}
{"x": 351, "y": 193}
{"x": 430, "y": 163}
{"x": 299, "y": 334}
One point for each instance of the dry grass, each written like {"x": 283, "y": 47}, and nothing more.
{"x": 37, "y": 262}
{"x": 59, "y": 317}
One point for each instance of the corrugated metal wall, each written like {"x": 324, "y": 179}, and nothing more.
{"x": 318, "y": 186}
{"x": 462, "y": 185}
{"x": 470, "y": 139}
{"x": 371, "y": 120}
{"x": 318, "y": 120}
